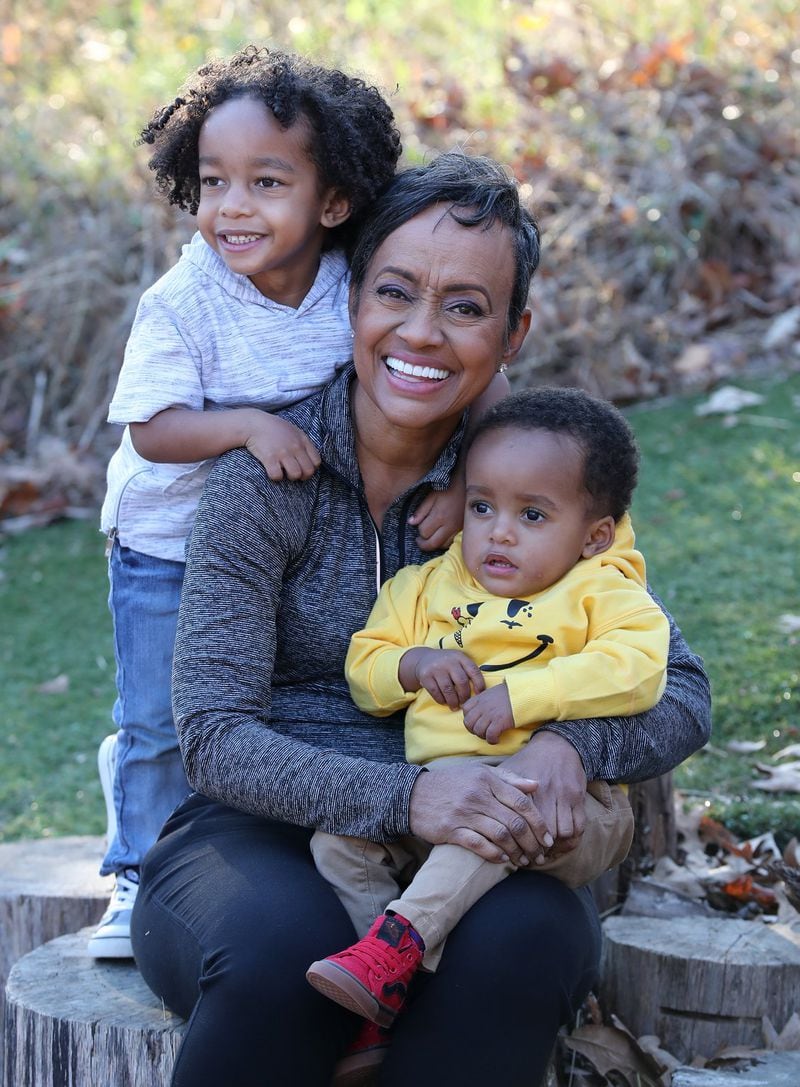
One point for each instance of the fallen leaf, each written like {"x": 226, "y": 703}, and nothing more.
{"x": 783, "y": 329}
{"x": 784, "y": 753}
{"x": 780, "y": 779}
{"x": 728, "y": 399}
{"x": 614, "y": 1049}
{"x": 745, "y": 747}
{"x": 57, "y": 685}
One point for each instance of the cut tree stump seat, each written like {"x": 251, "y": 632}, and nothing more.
{"x": 48, "y": 886}
{"x": 700, "y": 983}
{"x": 73, "y": 1021}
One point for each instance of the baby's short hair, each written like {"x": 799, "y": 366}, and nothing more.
{"x": 354, "y": 142}
{"x": 610, "y": 453}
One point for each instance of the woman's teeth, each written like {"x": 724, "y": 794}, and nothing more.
{"x": 407, "y": 369}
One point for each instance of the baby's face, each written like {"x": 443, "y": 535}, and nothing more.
{"x": 527, "y": 519}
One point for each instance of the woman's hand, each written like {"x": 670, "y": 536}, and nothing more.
{"x": 489, "y": 714}
{"x": 283, "y": 449}
{"x": 448, "y": 675}
{"x": 439, "y": 516}
{"x": 485, "y": 809}
{"x": 561, "y": 794}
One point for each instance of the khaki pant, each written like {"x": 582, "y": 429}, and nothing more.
{"x": 442, "y": 882}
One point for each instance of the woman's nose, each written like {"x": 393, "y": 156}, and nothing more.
{"x": 421, "y": 326}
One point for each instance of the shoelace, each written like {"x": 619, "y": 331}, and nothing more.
{"x": 370, "y": 949}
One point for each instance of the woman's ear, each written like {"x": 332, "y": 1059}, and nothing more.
{"x": 600, "y": 537}
{"x": 516, "y": 338}
{"x": 337, "y": 208}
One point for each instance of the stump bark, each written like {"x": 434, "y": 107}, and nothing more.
{"x": 654, "y": 836}
{"x": 48, "y": 887}
{"x": 72, "y": 1021}
{"x": 699, "y": 983}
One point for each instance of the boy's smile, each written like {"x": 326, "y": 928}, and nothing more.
{"x": 261, "y": 206}
{"x": 528, "y": 517}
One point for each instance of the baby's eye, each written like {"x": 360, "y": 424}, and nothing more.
{"x": 267, "y": 183}
{"x": 210, "y": 182}
{"x": 480, "y": 507}
{"x": 533, "y": 515}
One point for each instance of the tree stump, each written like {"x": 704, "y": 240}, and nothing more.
{"x": 72, "y": 1021}
{"x": 767, "y": 1070}
{"x": 47, "y": 887}
{"x": 654, "y": 836}
{"x": 699, "y": 983}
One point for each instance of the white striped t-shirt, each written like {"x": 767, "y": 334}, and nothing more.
{"x": 205, "y": 338}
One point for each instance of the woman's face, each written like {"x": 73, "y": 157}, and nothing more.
{"x": 430, "y": 321}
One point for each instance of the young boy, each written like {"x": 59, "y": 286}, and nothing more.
{"x": 538, "y": 612}
{"x": 279, "y": 159}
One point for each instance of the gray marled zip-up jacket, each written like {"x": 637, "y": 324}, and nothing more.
{"x": 278, "y": 577}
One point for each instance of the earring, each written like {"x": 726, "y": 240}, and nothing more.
{"x": 501, "y": 369}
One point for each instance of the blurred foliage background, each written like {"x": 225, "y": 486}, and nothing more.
{"x": 656, "y": 143}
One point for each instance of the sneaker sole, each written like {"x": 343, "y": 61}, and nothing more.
{"x": 344, "y": 989}
{"x": 109, "y": 947}
{"x": 358, "y": 1070}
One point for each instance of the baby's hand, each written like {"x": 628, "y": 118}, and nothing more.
{"x": 283, "y": 449}
{"x": 439, "y": 516}
{"x": 489, "y": 714}
{"x": 448, "y": 675}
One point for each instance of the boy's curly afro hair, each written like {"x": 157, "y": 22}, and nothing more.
{"x": 354, "y": 141}
{"x": 611, "y": 456}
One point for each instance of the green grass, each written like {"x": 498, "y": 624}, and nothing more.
{"x": 55, "y": 623}
{"x": 716, "y": 515}
{"x": 717, "y": 518}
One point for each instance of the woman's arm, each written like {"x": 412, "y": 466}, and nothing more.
{"x": 651, "y": 743}
{"x": 563, "y": 755}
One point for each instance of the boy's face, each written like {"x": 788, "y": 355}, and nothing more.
{"x": 261, "y": 207}
{"x": 528, "y": 518}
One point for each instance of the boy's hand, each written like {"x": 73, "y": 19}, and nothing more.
{"x": 284, "y": 450}
{"x": 489, "y": 714}
{"x": 439, "y": 516}
{"x": 448, "y": 675}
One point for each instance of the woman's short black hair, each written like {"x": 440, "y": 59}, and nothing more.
{"x": 476, "y": 191}
{"x": 354, "y": 142}
{"x": 610, "y": 453}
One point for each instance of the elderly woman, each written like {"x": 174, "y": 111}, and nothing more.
{"x": 231, "y": 909}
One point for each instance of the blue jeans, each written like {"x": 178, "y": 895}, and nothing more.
{"x": 149, "y": 780}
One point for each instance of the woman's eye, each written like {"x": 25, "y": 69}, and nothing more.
{"x": 466, "y": 309}
{"x": 395, "y": 293}
{"x": 533, "y": 515}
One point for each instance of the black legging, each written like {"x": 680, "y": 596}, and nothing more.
{"x": 232, "y": 910}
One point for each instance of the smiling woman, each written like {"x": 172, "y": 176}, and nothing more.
{"x": 231, "y": 909}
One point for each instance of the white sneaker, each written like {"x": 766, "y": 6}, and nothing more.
{"x": 112, "y": 937}
{"x": 106, "y": 762}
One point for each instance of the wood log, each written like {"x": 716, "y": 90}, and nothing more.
{"x": 48, "y": 886}
{"x": 767, "y": 1070}
{"x": 699, "y": 983}
{"x": 655, "y": 836}
{"x": 72, "y": 1021}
